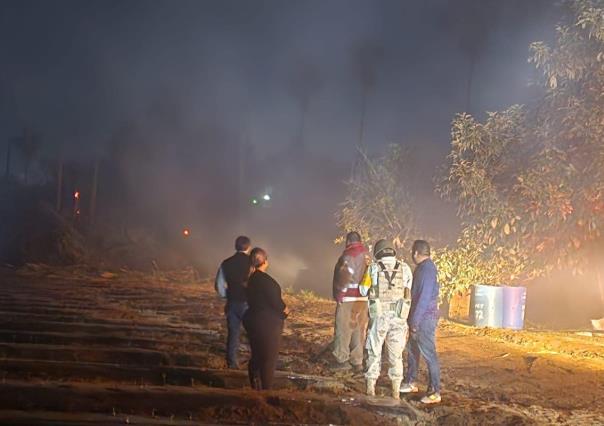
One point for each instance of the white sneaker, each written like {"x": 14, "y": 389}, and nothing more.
{"x": 433, "y": 398}
{"x": 409, "y": 388}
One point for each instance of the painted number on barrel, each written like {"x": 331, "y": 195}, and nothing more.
{"x": 479, "y": 311}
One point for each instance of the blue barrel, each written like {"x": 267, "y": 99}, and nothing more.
{"x": 487, "y": 304}
{"x": 514, "y": 303}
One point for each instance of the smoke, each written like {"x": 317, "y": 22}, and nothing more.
{"x": 195, "y": 108}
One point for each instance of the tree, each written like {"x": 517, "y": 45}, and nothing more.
{"x": 469, "y": 23}
{"x": 366, "y": 57}
{"x": 29, "y": 146}
{"x": 305, "y": 82}
{"x": 529, "y": 181}
{"x": 379, "y": 204}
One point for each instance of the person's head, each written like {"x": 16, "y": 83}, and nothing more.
{"x": 420, "y": 251}
{"x": 243, "y": 243}
{"x": 353, "y": 237}
{"x": 258, "y": 260}
{"x": 383, "y": 248}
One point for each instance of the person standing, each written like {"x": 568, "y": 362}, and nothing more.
{"x": 389, "y": 294}
{"x": 263, "y": 321}
{"x": 230, "y": 284}
{"x": 423, "y": 319}
{"x": 351, "y": 309}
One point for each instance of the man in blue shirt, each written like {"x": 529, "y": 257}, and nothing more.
{"x": 422, "y": 320}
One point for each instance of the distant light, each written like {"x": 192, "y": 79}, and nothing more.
{"x": 254, "y": 201}
{"x": 266, "y": 197}
{"x": 186, "y": 232}
{"x": 76, "y": 195}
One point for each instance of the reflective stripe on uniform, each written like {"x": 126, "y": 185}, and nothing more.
{"x": 354, "y": 299}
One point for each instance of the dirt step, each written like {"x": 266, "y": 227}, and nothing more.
{"x": 73, "y": 316}
{"x": 141, "y": 357}
{"x": 126, "y": 329}
{"x": 55, "y": 304}
{"x": 52, "y": 418}
{"x": 18, "y": 369}
{"x": 92, "y": 340}
{"x": 204, "y": 404}
{"x": 57, "y": 315}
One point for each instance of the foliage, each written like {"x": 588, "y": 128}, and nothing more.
{"x": 378, "y": 204}
{"x": 309, "y": 296}
{"x": 529, "y": 181}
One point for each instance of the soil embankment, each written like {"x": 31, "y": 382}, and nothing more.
{"x": 80, "y": 346}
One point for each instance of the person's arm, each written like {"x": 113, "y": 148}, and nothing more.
{"x": 339, "y": 283}
{"x": 274, "y": 297}
{"x": 220, "y": 283}
{"x": 425, "y": 280}
{"x": 407, "y": 279}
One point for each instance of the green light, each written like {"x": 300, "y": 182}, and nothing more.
{"x": 254, "y": 201}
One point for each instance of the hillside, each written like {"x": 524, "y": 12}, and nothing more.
{"x": 82, "y": 346}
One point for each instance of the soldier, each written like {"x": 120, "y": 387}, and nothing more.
{"x": 389, "y": 291}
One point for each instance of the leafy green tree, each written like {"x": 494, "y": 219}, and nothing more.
{"x": 529, "y": 181}
{"x": 379, "y": 203}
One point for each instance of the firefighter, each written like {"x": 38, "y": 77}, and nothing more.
{"x": 351, "y": 308}
{"x": 389, "y": 289}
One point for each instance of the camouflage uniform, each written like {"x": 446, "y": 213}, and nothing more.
{"x": 389, "y": 302}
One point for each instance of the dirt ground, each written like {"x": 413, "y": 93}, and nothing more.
{"x": 81, "y": 346}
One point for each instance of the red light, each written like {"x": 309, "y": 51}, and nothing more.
{"x": 76, "y": 195}
{"x": 186, "y": 232}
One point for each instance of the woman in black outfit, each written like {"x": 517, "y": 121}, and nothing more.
{"x": 263, "y": 321}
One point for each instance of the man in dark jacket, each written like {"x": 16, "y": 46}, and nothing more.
{"x": 230, "y": 284}
{"x": 351, "y": 309}
{"x": 422, "y": 320}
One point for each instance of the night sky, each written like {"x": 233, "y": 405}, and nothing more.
{"x": 74, "y": 70}
{"x": 78, "y": 72}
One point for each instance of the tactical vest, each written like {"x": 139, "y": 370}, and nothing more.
{"x": 390, "y": 291}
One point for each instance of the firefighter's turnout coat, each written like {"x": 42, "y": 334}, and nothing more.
{"x": 388, "y": 286}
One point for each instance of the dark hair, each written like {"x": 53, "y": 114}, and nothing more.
{"x": 257, "y": 258}
{"x": 353, "y": 237}
{"x": 242, "y": 243}
{"x": 421, "y": 247}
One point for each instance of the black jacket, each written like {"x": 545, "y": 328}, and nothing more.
{"x": 236, "y": 269}
{"x": 264, "y": 296}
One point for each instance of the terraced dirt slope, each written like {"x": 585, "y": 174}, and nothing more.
{"x": 82, "y": 347}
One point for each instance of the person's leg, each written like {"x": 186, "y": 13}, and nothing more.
{"x": 253, "y": 365}
{"x": 375, "y": 341}
{"x": 271, "y": 341}
{"x": 395, "y": 344}
{"x": 343, "y": 332}
{"x": 427, "y": 347}
{"x": 358, "y": 324}
{"x": 413, "y": 355}
{"x": 234, "y": 313}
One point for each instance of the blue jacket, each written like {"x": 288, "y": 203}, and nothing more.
{"x": 424, "y": 294}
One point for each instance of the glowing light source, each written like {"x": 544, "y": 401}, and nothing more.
{"x": 266, "y": 197}
{"x": 186, "y": 232}
{"x": 76, "y": 195}
{"x": 254, "y": 201}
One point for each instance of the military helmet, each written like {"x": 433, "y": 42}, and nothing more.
{"x": 383, "y": 248}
